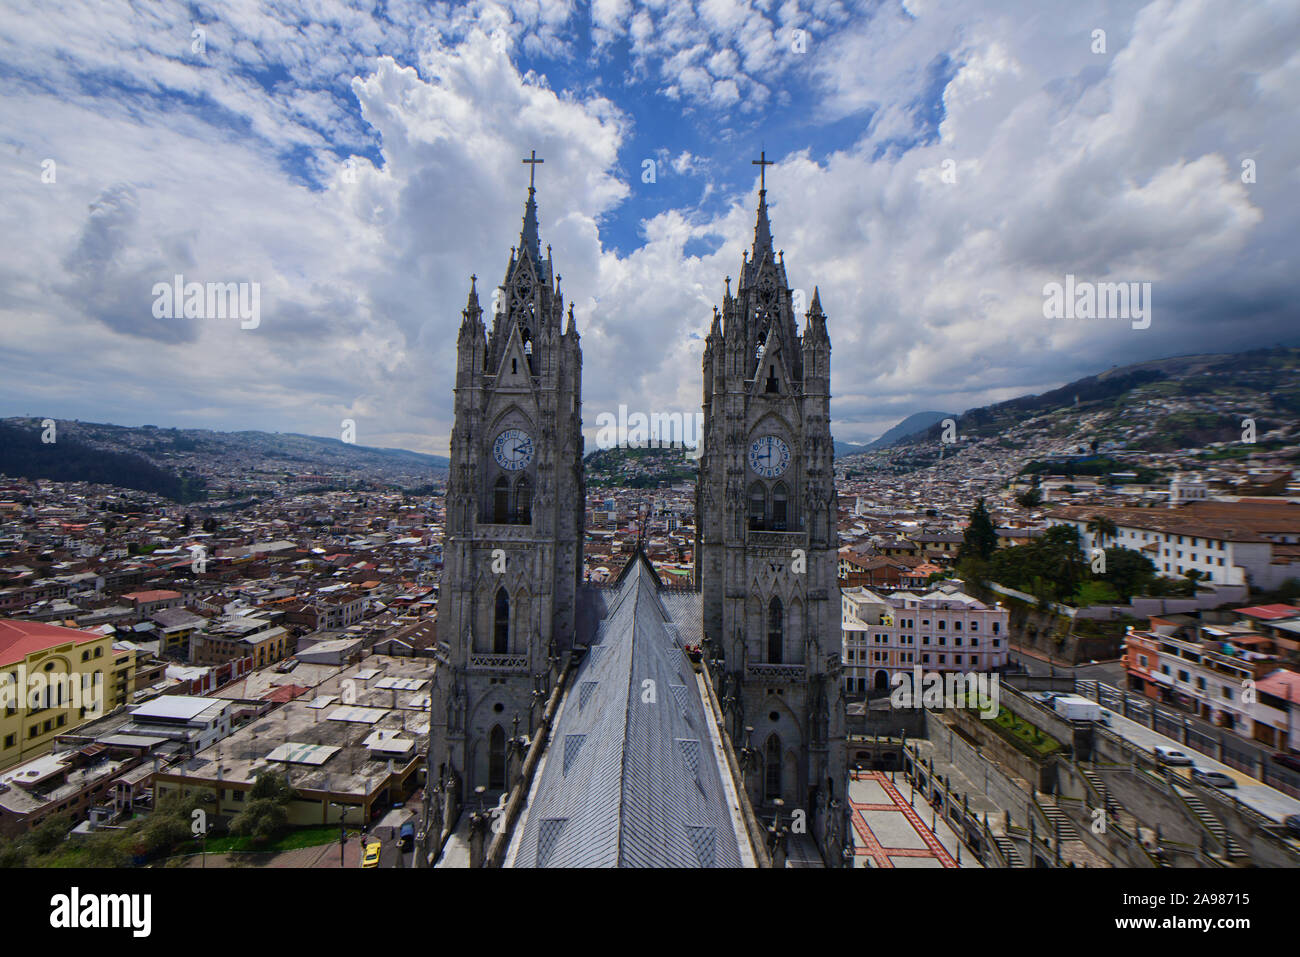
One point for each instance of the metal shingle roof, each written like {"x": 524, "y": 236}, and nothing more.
{"x": 630, "y": 780}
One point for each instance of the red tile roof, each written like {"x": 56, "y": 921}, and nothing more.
{"x": 1281, "y": 683}
{"x": 18, "y": 639}
{"x": 158, "y": 594}
{"x": 1270, "y": 612}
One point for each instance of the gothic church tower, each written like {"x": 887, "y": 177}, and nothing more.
{"x": 766, "y": 543}
{"x": 512, "y": 554}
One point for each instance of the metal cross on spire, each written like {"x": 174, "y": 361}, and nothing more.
{"x": 762, "y": 163}
{"x": 532, "y": 162}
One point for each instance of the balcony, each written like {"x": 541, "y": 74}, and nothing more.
{"x": 784, "y": 541}
{"x": 778, "y": 674}
{"x": 483, "y": 663}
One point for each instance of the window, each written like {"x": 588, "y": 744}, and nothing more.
{"x": 757, "y": 507}
{"x": 501, "y": 502}
{"x": 523, "y": 502}
{"x": 497, "y": 759}
{"x": 10, "y": 740}
{"x": 501, "y": 624}
{"x": 779, "y": 507}
{"x": 775, "y": 632}
{"x": 772, "y": 766}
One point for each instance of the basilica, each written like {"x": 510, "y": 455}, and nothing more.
{"x": 631, "y": 723}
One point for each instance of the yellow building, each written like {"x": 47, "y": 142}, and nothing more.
{"x": 53, "y": 679}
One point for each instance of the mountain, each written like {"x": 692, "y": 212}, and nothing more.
{"x": 909, "y": 426}
{"x": 1122, "y": 416}
{"x": 192, "y": 464}
{"x": 843, "y": 449}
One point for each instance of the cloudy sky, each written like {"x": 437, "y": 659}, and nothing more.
{"x": 936, "y": 164}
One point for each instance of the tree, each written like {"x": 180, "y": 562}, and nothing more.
{"x": 1128, "y": 572}
{"x": 981, "y": 538}
{"x": 1032, "y": 496}
{"x": 266, "y": 813}
{"x": 1102, "y": 529}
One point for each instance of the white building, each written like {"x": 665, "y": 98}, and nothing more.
{"x": 1229, "y": 543}
{"x": 941, "y": 630}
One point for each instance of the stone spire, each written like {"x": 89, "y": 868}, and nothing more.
{"x": 529, "y": 242}
{"x": 762, "y": 230}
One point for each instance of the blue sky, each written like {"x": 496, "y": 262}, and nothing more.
{"x": 936, "y": 165}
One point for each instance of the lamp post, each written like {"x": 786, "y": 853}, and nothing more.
{"x": 343, "y": 810}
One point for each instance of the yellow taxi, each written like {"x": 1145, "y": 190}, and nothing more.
{"x": 371, "y": 858}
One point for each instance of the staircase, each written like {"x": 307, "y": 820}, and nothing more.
{"x": 1008, "y": 849}
{"x": 1211, "y": 823}
{"x": 1098, "y": 785}
{"x": 1061, "y": 825}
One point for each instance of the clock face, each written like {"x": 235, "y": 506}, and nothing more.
{"x": 768, "y": 456}
{"x": 513, "y": 450}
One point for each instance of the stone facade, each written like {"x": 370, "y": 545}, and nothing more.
{"x": 766, "y": 543}
{"x": 514, "y": 525}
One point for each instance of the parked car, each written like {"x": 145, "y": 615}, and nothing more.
{"x": 1214, "y": 778}
{"x": 407, "y": 836}
{"x": 371, "y": 858}
{"x": 1291, "y": 761}
{"x": 1172, "y": 756}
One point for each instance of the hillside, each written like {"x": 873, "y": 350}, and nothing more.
{"x": 1187, "y": 402}
{"x": 192, "y": 464}
{"x": 638, "y": 468}
{"x": 909, "y": 426}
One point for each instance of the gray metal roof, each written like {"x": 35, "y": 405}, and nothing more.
{"x": 631, "y": 776}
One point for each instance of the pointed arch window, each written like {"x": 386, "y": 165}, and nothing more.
{"x": 501, "y": 624}
{"x": 757, "y": 506}
{"x": 523, "y": 501}
{"x": 772, "y": 769}
{"x": 780, "y": 505}
{"x": 501, "y": 501}
{"x": 775, "y": 632}
{"x": 497, "y": 759}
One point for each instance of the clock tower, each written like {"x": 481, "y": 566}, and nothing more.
{"x": 766, "y": 543}
{"x": 514, "y": 524}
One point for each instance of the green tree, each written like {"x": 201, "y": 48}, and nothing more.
{"x": 1128, "y": 572}
{"x": 1102, "y": 529}
{"x": 266, "y": 815}
{"x": 1031, "y": 497}
{"x": 980, "y": 539}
